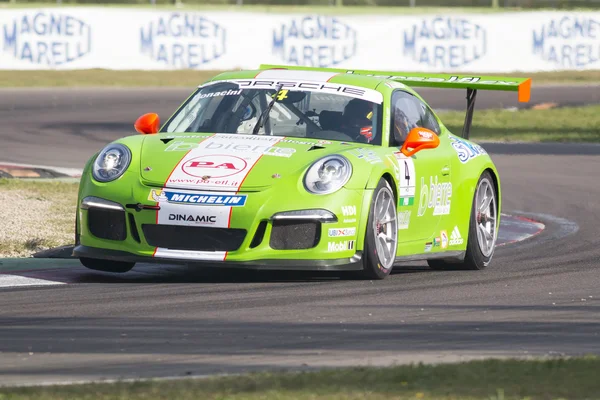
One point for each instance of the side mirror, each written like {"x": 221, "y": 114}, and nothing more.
{"x": 419, "y": 139}
{"x": 147, "y": 124}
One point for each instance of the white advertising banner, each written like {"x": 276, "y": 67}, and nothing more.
{"x": 79, "y": 38}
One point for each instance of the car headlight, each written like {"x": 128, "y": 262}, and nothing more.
{"x": 327, "y": 175}
{"x": 111, "y": 163}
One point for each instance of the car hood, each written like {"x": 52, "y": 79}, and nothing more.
{"x": 229, "y": 162}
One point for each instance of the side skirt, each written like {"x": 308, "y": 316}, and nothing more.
{"x": 449, "y": 256}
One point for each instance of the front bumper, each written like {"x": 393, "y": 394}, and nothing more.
{"x": 353, "y": 263}
{"x": 135, "y": 226}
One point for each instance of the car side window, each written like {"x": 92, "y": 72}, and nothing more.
{"x": 409, "y": 112}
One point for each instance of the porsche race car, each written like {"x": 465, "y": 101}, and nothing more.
{"x": 297, "y": 168}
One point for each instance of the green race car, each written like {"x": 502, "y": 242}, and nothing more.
{"x": 296, "y": 168}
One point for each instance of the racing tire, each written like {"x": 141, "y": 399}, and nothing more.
{"x": 479, "y": 253}
{"x": 119, "y": 267}
{"x": 381, "y": 235}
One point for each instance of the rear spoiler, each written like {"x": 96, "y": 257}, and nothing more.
{"x": 446, "y": 81}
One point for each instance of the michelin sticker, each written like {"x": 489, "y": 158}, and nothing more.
{"x": 209, "y": 199}
{"x": 445, "y": 42}
{"x": 436, "y": 196}
{"x": 466, "y": 150}
{"x": 314, "y": 41}
{"x": 46, "y": 38}
{"x": 182, "y": 40}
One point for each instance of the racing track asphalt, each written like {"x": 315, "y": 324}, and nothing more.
{"x": 65, "y": 127}
{"x": 539, "y": 297}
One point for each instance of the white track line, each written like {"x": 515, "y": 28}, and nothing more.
{"x": 11, "y": 281}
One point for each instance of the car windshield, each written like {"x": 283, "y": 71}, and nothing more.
{"x": 301, "y": 109}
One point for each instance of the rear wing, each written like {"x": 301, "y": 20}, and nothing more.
{"x": 445, "y": 81}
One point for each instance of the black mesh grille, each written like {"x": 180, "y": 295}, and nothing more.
{"x": 193, "y": 238}
{"x": 107, "y": 224}
{"x": 295, "y": 235}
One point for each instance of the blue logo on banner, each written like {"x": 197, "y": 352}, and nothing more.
{"x": 46, "y": 38}
{"x": 445, "y": 42}
{"x": 183, "y": 40}
{"x": 569, "y": 41}
{"x": 315, "y": 41}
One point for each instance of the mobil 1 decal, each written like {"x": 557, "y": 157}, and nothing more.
{"x": 211, "y": 165}
{"x": 406, "y": 180}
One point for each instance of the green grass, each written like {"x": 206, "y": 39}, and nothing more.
{"x": 192, "y": 78}
{"x": 36, "y": 215}
{"x": 569, "y": 124}
{"x": 489, "y": 380}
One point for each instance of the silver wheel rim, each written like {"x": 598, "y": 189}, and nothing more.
{"x": 485, "y": 217}
{"x": 385, "y": 228}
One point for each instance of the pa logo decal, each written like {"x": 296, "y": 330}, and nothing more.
{"x": 214, "y": 166}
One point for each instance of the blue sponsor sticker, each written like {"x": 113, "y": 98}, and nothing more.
{"x": 46, "y": 38}
{"x": 208, "y": 199}
{"x": 466, "y": 150}
{"x": 315, "y": 41}
{"x": 445, "y": 42}
{"x": 572, "y": 41}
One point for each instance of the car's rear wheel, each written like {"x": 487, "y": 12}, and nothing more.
{"x": 482, "y": 229}
{"x": 106, "y": 265}
{"x": 381, "y": 237}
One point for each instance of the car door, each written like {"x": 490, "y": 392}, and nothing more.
{"x": 425, "y": 188}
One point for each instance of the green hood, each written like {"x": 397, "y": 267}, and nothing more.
{"x": 162, "y": 155}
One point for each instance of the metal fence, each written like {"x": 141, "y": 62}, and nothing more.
{"x": 529, "y": 4}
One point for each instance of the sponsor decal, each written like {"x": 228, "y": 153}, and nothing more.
{"x": 230, "y": 147}
{"x": 571, "y": 41}
{"x": 437, "y": 242}
{"x": 407, "y": 179}
{"x": 182, "y": 40}
{"x": 311, "y": 86}
{"x": 444, "y": 237}
{"x": 46, "y": 38}
{"x": 349, "y": 220}
{"x": 220, "y": 94}
{"x": 464, "y": 149}
{"x": 435, "y": 195}
{"x": 403, "y": 219}
{"x": 445, "y": 42}
{"x": 210, "y": 199}
{"x": 316, "y": 41}
{"x": 340, "y": 246}
{"x": 208, "y": 166}
{"x": 451, "y": 79}
{"x": 348, "y": 211}
{"x": 339, "y": 232}
{"x": 425, "y": 134}
{"x": 367, "y": 155}
{"x": 455, "y": 238}
{"x": 428, "y": 246}
{"x": 199, "y": 219}
{"x": 214, "y": 166}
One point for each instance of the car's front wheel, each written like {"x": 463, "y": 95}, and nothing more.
{"x": 107, "y": 265}
{"x": 381, "y": 237}
{"x": 482, "y": 229}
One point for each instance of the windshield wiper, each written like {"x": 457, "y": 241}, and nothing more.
{"x": 265, "y": 114}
